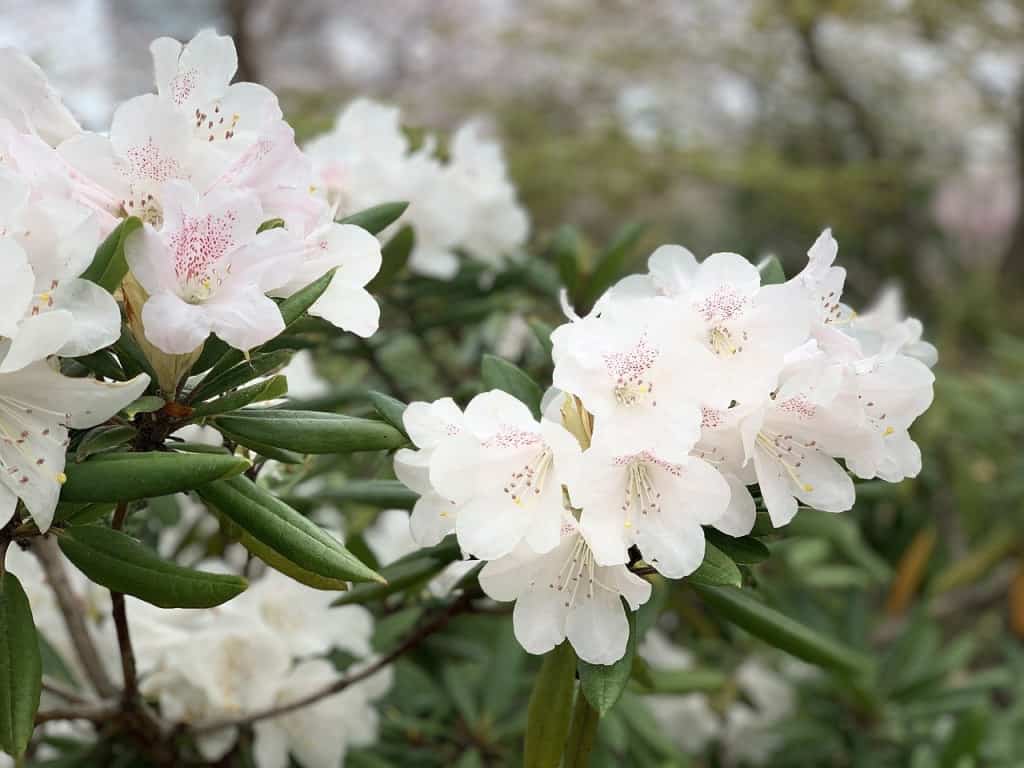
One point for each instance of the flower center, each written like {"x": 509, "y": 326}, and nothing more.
{"x": 631, "y": 371}
{"x": 579, "y": 565}
{"x": 528, "y": 482}
{"x": 725, "y": 342}
{"x": 200, "y": 246}
{"x": 789, "y": 452}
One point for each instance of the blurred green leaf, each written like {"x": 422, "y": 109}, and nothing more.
{"x": 771, "y": 271}
{"x": 122, "y": 564}
{"x": 394, "y": 256}
{"x": 21, "y": 667}
{"x": 582, "y": 734}
{"x": 742, "y": 550}
{"x": 270, "y": 224}
{"x": 737, "y": 606}
{"x": 564, "y": 252}
{"x": 414, "y": 569}
{"x": 612, "y": 263}
{"x": 550, "y": 709}
{"x": 387, "y": 494}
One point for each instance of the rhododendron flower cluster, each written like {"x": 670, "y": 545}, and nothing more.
{"x": 463, "y": 204}
{"x": 682, "y": 395}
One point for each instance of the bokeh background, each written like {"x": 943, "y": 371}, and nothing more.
{"x": 746, "y": 125}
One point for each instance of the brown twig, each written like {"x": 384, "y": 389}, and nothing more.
{"x": 97, "y": 713}
{"x": 58, "y": 689}
{"x": 418, "y": 636}
{"x": 124, "y": 638}
{"x": 45, "y": 550}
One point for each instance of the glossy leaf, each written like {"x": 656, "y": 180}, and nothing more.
{"x": 377, "y": 218}
{"x": 132, "y": 476}
{"x": 103, "y": 439}
{"x": 275, "y": 525}
{"x": 771, "y": 271}
{"x": 394, "y": 256}
{"x": 311, "y": 431}
{"x": 415, "y": 568}
{"x": 258, "y": 365}
{"x": 108, "y": 266}
{"x": 501, "y": 374}
{"x": 21, "y": 667}
{"x": 389, "y": 409}
{"x": 716, "y": 569}
{"x": 742, "y": 550}
{"x": 270, "y": 389}
{"x": 122, "y": 564}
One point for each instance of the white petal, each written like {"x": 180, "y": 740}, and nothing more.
{"x": 729, "y": 269}
{"x": 826, "y": 485}
{"x": 432, "y": 519}
{"x": 29, "y": 101}
{"x": 348, "y": 308}
{"x": 39, "y": 336}
{"x": 538, "y": 619}
{"x": 672, "y": 269}
{"x": 741, "y": 514}
{"x": 505, "y": 579}
{"x": 245, "y": 318}
{"x": 19, "y": 283}
{"x": 174, "y": 326}
{"x": 488, "y": 529}
{"x": 96, "y": 320}
{"x": 213, "y": 59}
{"x": 775, "y": 488}
{"x": 270, "y": 743}
{"x": 674, "y": 549}
{"x": 597, "y": 627}
{"x": 150, "y": 261}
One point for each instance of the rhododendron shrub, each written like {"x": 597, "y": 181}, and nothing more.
{"x": 205, "y": 561}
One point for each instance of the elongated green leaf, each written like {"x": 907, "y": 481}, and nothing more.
{"x": 282, "y": 564}
{"x": 123, "y": 564}
{"x": 258, "y": 365}
{"x": 103, "y": 363}
{"x": 108, "y": 265}
{"x": 503, "y": 375}
{"x": 564, "y": 253}
{"x": 377, "y": 218}
{"x": 277, "y": 526}
{"x": 542, "y": 331}
{"x": 550, "y": 710}
{"x": 388, "y": 494}
{"x": 771, "y": 271}
{"x": 743, "y": 610}
{"x": 717, "y": 568}
{"x": 394, "y": 256}
{"x": 131, "y": 476}
{"x": 83, "y": 514}
{"x": 678, "y": 681}
{"x": 271, "y": 389}
{"x": 21, "y": 667}
{"x": 267, "y": 451}
{"x": 311, "y": 431}
{"x": 612, "y": 263}
{"x": 102, "y": 439}
{"x": 390, "y": 409}
{"x": 415, "y": 568}
{"x": 603, "y": 684}
{"x": 582, "y": 734}
{"x": 742, "y": 550}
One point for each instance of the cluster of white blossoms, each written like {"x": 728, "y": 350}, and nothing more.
{"x": 747, "y": 727}
{"x": 682, "y": 390}
{"x": 464, "y": 204}
{"x": 267, "y": 648}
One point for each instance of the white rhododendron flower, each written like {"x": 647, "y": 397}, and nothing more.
{"x": 206, "y": 270}
{"x": 430, "y": 425}
{"x": 466, "y": 204}
{"x": 30, "y": 103}
{"x": 655, "y": 504}
{"x": 629, "y": 366}
{"x": 37, "y": 407}
{"x": 510, "y": 472}
{"x": 563, "y": 594}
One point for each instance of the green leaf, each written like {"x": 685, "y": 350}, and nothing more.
{"x": 270, "y": 224}
{"x": 310, "y": 431}
{"x": 603, "y": 684}
{"x": 966, "y": 738}
{"x": 258, "y": 365}
{"x": 564, "y": 253}
{"x": 271, "y": 389}
{"x": 503, "y": 375}
{"x": 542, "y": 331}
{"x": 122, "y": 564}
{"x": 83, "y": 514}
{"x": 280, "y": 528}
{"x": 771, "y": 271}
{"x": 103, "y": 363}
{"x": 377, "y": 218}
{"x": 611, "y": 265}
{"x": 267, "y": 451}
{"x": 108, "y": 266}
{"x": 716, "y": 569}
{"x": 390, "y": 409}
{"x": 582, "y": 734}
{"x": 145, "y": 404}
{"x": 131, "y": 476}
{"x": 415, "y": 568}
{"x": 680, "y": 681}
{"x": 282, "y": 564}
{"x": 104, "y": 438}
{"x": 743, "y": 610}
{"x": 742, "y": 550}
{"x": 21, "y": 668}
{"x": 394, "y": 256}
{"x": 387, "y": 494}
{"x": 550, "y": 709}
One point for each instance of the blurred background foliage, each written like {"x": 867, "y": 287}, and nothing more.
{"x": 744, "y": 126}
